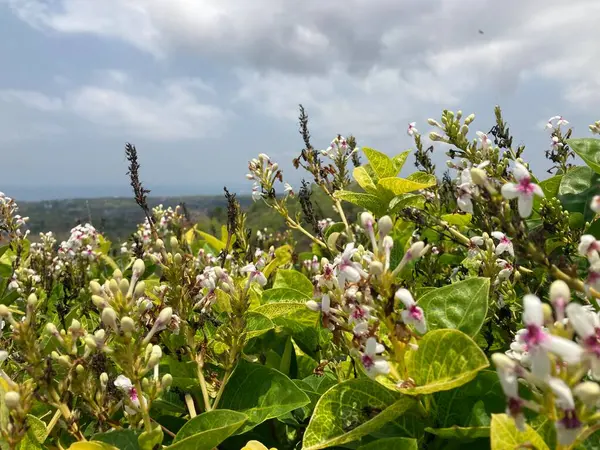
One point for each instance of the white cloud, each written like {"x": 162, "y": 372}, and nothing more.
{"x": 176, "y": 109}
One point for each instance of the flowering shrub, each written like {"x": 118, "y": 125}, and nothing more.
{"x": 380, "y": 336}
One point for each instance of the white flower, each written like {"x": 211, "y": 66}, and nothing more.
{"x": 595, "y": 205}
{"x": 288, "y": 189}
{"x": 556, "y": 144}
{"x": 539, "y": 342}
{"x": 568, "y": 428}
{"x": 412, "y": 129}
{"x": 412, "y": 314}
{"x": 587, "y": 325}
{"x": 484, "y": 139}
{"x": 589, "y": 247}
{"x": 374, "y": 364}
{"x": 348, "y": 270}
{"x": 506, "y": 269}
{"x": 256, "y": 194}
{"x": 465, "y": 192}
{"x": 255, "y": 274}
{"x": 507, "y": 373}
{"x": 474, "y": 243}
{"x": 504, "y": 244}
{"x": 124, "y": 384}
{"x": 524, "y": 190}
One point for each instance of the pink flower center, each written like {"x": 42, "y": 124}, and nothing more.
{"x": 505, "y": 240}
{"x": 514, "y": 406}
{"x": 592, "y": 345}
{"x": 133, "y": 394}
{"x": 534, "y": 336}
{"x": 359, "y": 313}
{"x": 367, "y": 361}
{"x": 416, "y": 313}
{"x": 570, "y": 421}
{"x": 525, "y": 186}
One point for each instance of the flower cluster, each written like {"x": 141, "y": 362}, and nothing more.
{"x": 81, "y": 247}
{"x": 12, "y": 225}
{"x": 554, "y": 356}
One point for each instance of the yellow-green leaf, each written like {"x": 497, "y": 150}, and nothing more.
{"x": 460, "y": 220}
{"x": 403, "y": 185}
{"x": 399, "y": 160}
{"x": 345, "y": 413}
{"x": 364, "y": 180}
{"x": 273, "y": 310}
{"x": 504, "y": 435}
{"x": 91, "y": 445}
{"x": 257, "y": 324}
{"x": 368, "y": 201}
{"x": 394, "y": 443}
{"x": 444, "y": 360}
{"x": 207, "y": 430}
{"x": 460, "y": 433}
{"x": 381, "y": 163}
{"x": 283, "y": 255}
{"x": 214, "y": 242}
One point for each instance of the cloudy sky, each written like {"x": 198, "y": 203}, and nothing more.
{"x": 200, "y": 86}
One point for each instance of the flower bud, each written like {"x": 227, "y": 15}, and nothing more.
{"x": 155, "y": 356}
{"x": 160, "y": 244}
{"x": 164, "y": 317}
{"x": 140, "y": 288}
{"x": 385, "y": 225}
{"x": 100, "y": 334}
{"x": 32, "y": 300}
{"x": 588, "y": 392}
{"x": 127, "y": 324}
{"x": 560, "y": 290}
{"x": 12, "y": 400}
{"x": 435, "y": 136}
{"x": 103, "y": 380}
{"x": 96, "y": 288}
{"x": 90, "y": 342}
{"x": 138, "y": 267}
{"x": 124, "y": 286}
{"x": 464, "y": 130}
{"x": 113, "y": 285}
{"x": 367, "y": 220}
{"x": 177, "y": 258}
{"x": 117, "y": 274}
{"x": 109, "y": 318}
{"x": 51, "y": 328}
{"x": 64, "y": 361}
{"x": 313, "y": 306}
{"x": 479, "y": 176}
{"x": 4, "y": 311}
{"x": 99, "y": 302}
{"x": 548, "y": 315}
{"x": 434, "y": 123}
{"x": 375, "y": 268}
{"x": 145, "y": 383}
{"x": 503, "y": 362}
{"x": 75, "y": 325}
{"x": 79, "y": 369}
{"x": 470, "y": 118}
{"x": 166, "y": 381}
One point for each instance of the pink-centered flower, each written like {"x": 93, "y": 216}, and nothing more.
{"x": 412, "y": 314}
{"x": 255, "y": 274}
{"x": 348, "y": 270}
{"x": 504, "y": 244}
{"x": 125, "y": 385}
{"x": 507, "y": 370}
{"x": 567, "y": 428}
{"x": 412, "y": 128}
{"x": 371, "y": 361}
{"x": 587, "y": 326}
{"x": 524, "y": 190}
{"x": 595, "y": 204}
{"x": 484, "y": 139}
{"x": 539, "y": 342}
{"x": 589, "y": 247}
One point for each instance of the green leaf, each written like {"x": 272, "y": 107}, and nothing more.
{"x": 576, "y": 180}
{"x": 368, "y": 201}
{"x": 214, "y": 242}
{"x": 273, "y": 310}
{"x": 122, "y": 439}
{"x": 460, "y": 220}
{"x": 209, "y": 429}
{"x": 350, "y": 410}
{"x": 257, "y": 324}
{"x": 577, "y": 188}
{"x": 405, "y": 200}
{"x": 589, "y": 150}
{"x": 391, "y": 444}
{"x": 364, "y": 180}
{"x": 381, "y": 163}
{"x": 283, "y": 255}
{"x": 505, "y": 435}
{"x": 398, "y": 161}
{"x": 460, "y": 433}
{"x": 423, "y": 178}
{"x": 462, "y": 306}
{"x": 444, "y": 360}
{"x": 334, "y": 228}
{"x": 404, "y": 185}
{"x": 292, "y": 279}
{"x": 169, "y": 402}
{"x": 261, "y": 393}
{"x": 284, "y": 295}
{"x": 551, "y": 186}
{"x": 35, "y": 436}
{"x": 91, "y": 445}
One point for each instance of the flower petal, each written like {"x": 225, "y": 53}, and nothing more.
{"x": 525, "y": 205}
{"x": 533, "y": 313}
{"x": 510, "y": 191}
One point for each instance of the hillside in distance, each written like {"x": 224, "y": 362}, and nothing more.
{"x": 117, "y": 218}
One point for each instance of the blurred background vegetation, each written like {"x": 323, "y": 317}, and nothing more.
{"x": 117, "y": 218}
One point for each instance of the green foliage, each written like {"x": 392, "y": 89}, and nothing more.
{"x": 209, "y": 429}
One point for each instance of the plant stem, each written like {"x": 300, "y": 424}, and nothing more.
{"x": 53, "y": 422}
{"x": 143, "y": 407}
{"x": 203, "y": 386}
{"x": 189, "y": 402}
{"x": 338, "y": 206}
{"x": 222, "y": 388}
{"x": 295, "y": 225}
